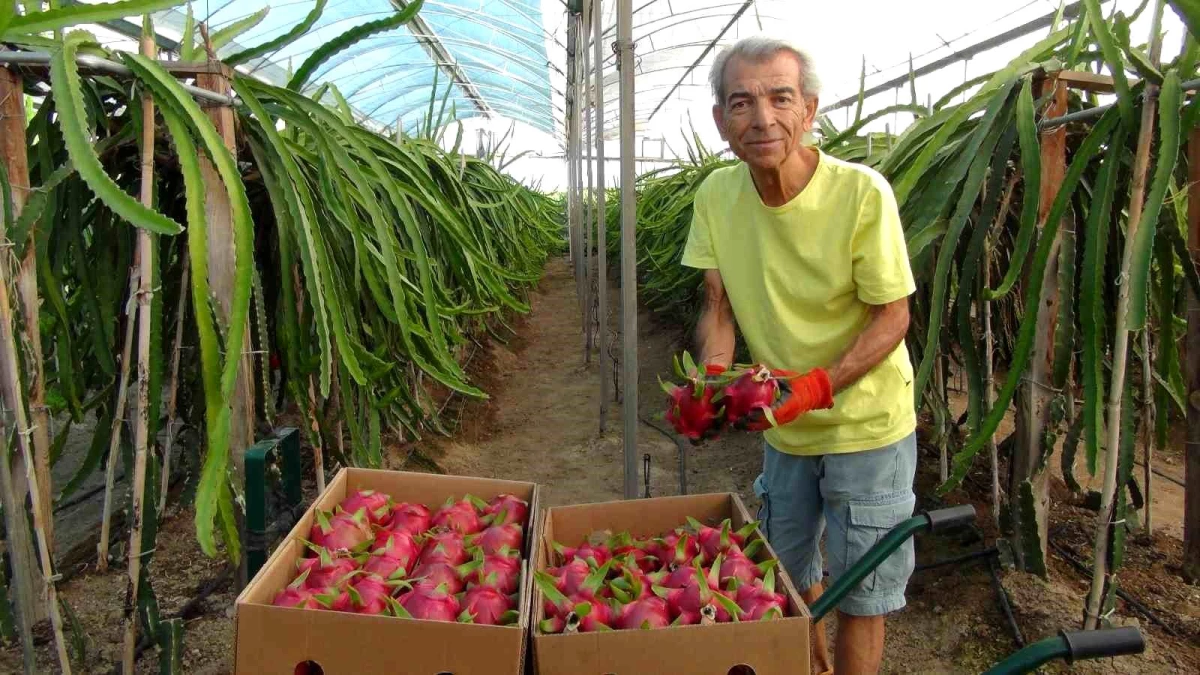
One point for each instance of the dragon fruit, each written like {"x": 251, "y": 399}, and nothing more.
{"x": 488, "y": 605}
{"x": 694, "y": 415}
{"x": 559, "y": 603}
{"x": 570, "y": 576}
{"x": 498, "y": 537}
{"x": 414, "y": 519}
{"x": 738, "y": 565}
{"x": 719, "y": 540}
{"x": 432, "y": 603}
{"x": 675, "y": 548}
{"x": 651, "y": 612}
{"x": 445, "y": 546}
{"x": 444, "y": 574}
{"x": 326, "y": 569}
{"x": 754, "y": 389}
{"x": 400, "y": 546}
{"x": 595, "y": 550}
{"x": 298, "y": 594}
{"x": 759, "y": 601}
{"x": 388, "y": 569}
{"x": 377, "y": 505}
{"x": 500, "y": 570}
{"x": 371, "y": 595}
{"x": 342, "y": 531}
{"x": 699, "y": 592}
{"x": 461, "y": 516}
{"x": 506, "y": 509}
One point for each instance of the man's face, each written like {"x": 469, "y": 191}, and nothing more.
{"x": 764, "y": 116}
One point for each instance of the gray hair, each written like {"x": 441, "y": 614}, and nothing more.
{"x": 757, "y": 49}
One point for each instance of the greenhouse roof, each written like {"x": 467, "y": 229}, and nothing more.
{"x": 505, "y": 60}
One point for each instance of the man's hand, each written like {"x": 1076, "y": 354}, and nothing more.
{"x": 799, "y": 394}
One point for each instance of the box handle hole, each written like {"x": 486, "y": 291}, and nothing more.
{"x": 741, "y": 669}
{"x": 308, "y": 668}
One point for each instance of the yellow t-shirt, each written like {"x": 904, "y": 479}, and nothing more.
{"x": 800, "y": 278}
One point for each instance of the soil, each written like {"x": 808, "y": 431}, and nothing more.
{"x": 542, "y": 423}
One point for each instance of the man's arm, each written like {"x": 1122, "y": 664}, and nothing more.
{"x": 888, "y": 325}
{"x": 715, "y": 330}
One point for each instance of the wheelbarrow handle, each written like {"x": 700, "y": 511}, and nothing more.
{"x": 1098, "y": 644}
{"x": 951, "y": 516}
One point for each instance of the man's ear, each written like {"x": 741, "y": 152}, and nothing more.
{"x": 811, "y": 105}
{"x": 718, "y": 113}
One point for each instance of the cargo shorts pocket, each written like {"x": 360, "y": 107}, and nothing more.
{"x": 764, "y": 510}
{"x": 869, "y": 521}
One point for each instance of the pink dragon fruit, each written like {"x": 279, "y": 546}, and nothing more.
{"x": 414, "y": 519}
{"x": 377, "y": 505}
{"x": 428, "y": 602}
{"x": 506, "y": 509}
{"x": 341, "y": 531}
{"x": 651, "y": 612}
{"x": 500, "y": 570}
{"x": 738, "y": 565}
{"x": 759, "y": 601}
{"x": 719, "y": 540}
{"x": 461, "y": 516}
{"x": 497, "y": 537}
{"x": 445, "y": 546}
{"x": 754, "y": 389}
{"x": 400, "y": 546}
{"x": 444, "y": 574}
{"x": 488, "y": 605}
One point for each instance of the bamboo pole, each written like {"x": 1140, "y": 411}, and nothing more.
{"x": 1101, "y": 573}
{"x": 27, "y": 293}
{"x": 114, "y": 439}
{"x": 989, "y": 394}
{"x": 14, "y": 401}
{"x": 173, "y": 387}
{"x": 141, "y": 429}
{"x": 1148, "y": 415}
{"x": 1191, "y": 493}
{"x": 27, "y": 600}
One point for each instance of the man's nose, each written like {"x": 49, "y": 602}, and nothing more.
{"x": 763, "y": 116}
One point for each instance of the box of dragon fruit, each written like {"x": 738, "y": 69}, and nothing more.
{"x": 396, "y": 572}
{"x": 667, "y": 585}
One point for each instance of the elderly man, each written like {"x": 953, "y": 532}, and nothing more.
{"x": 806, "y": 254}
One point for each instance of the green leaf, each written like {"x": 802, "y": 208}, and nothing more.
{"x": 296, "y": 32}
{"x": 1103, "y": 34}
{"x": 72, "y": 120}
{"x": 187, "y": 38}
{"x": 321, "y": 54}
{"x": 75, "y": 14}
{"x": 1188, "y": 12}
{"x": 1031, "y": 164}
{"x": 229, "y": 33}
{"x": 1143, "y": 243}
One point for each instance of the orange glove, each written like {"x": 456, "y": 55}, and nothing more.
{"x": 798, "y": 394}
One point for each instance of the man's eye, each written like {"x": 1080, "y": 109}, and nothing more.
{"x": 738, "y": 105}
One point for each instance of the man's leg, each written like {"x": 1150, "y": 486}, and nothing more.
{"x": 818, "y": 636}
{"x": 793, "y": 521}
{"x": 865, "y": 495}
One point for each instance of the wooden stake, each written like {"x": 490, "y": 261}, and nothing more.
{"x": 28, "y": 595}
{"x": 989, "y": 394}
{"x": 141, "y": 429}
{"x": 1191, "y": 493}
{"x": 1033, "y": 406}
{"x": 1101, "y": 574}
{"x": 1148, "y": 415}
{"x": 173, "y": 387}
{"x": 114, "y": 441}
{"x": 14, "y": 400}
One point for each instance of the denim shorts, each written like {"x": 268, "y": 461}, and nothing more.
{"x": 858, "y": 497}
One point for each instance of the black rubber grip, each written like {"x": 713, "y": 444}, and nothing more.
{"x": 951, "y": 516}
{"x": 1098, "y": 644}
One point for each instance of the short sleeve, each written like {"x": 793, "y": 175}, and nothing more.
{"x": 882, "y": 272}
{"x": 698, "y": 252}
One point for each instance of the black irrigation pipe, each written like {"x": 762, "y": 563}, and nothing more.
{"x": 1129, "y": 599}
{"x": 1163, "y": 475}
{"x": 958, "y": 560}
{"x": 1005, "y": 605}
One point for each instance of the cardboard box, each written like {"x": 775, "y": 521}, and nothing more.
{"x": 775, "y": 647}
{"x": 274, "y": 639}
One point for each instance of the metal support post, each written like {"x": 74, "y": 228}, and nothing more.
{"x": 601, "y": 223}
{"x": 589, "y": 204}
{"x": 629, "y": 324}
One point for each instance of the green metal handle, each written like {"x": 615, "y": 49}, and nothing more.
{"x": 1073, "y": 646}
{"x": 874, "y": 557}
